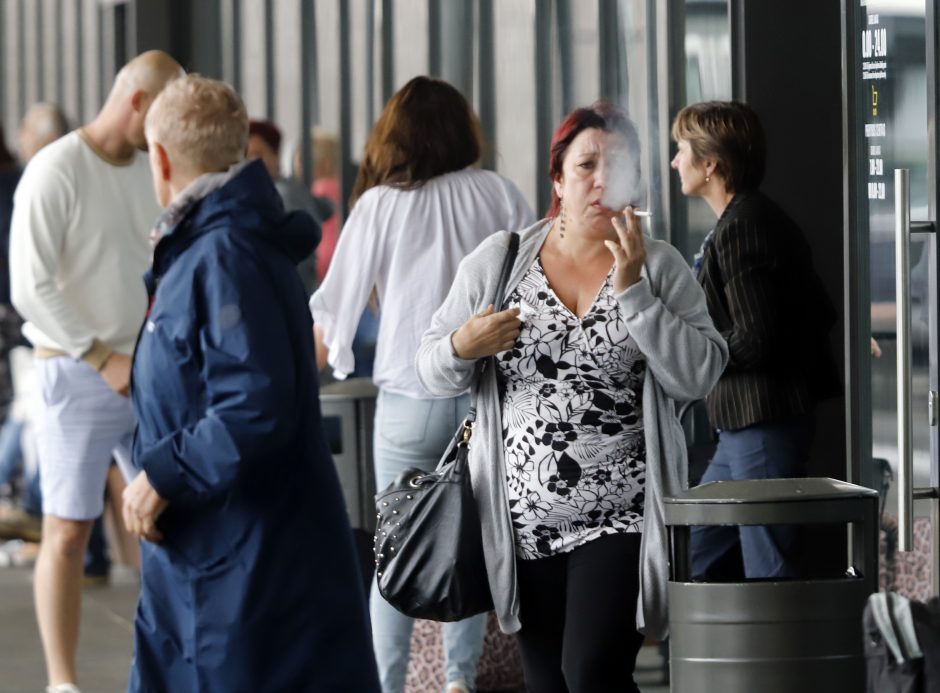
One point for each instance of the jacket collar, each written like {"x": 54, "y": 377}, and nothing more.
{"x": 190, "y": 196}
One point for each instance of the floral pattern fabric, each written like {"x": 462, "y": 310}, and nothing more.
{"x": 572, "y": 421}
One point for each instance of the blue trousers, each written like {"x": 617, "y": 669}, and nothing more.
{"x": 11, "y": 464}
{"x": 11, "y": 453}
{"x": 772, "y": 450}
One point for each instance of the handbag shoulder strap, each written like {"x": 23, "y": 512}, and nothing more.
{"x": 508, "y": 263}
{"x": 895, "y": 628}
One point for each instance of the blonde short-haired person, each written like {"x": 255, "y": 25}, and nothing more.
{"x": 249, "y": 580}
{"x": 78, "y": 246}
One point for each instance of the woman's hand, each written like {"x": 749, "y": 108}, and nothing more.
{"x": 320, "y": 348}
{"x": 629, "y": 253}
{"x": 487, "y": 333}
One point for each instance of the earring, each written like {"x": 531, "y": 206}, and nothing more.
{"x": 561, "y": 223}
{"x": 707, "y": 178}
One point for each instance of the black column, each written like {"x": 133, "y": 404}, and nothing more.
{"x": 168, "y": 25}
{"x": 786, "y": 64}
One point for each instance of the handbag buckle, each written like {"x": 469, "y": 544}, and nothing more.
{"x": 467, "y": 432}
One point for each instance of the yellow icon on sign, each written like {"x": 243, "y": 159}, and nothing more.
{"x": 874, "y": 100}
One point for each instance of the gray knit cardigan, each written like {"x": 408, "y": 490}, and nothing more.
{"x": 665, "y": 314}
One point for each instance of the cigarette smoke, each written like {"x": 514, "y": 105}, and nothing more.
{"x": 624, "y": 184}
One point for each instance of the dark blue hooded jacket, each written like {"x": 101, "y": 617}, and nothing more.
{"x": 255, "y": 586}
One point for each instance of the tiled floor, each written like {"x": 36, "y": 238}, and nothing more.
{"x": 107, "y": 638}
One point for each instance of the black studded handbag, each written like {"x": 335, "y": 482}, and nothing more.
{"x": 428, "y": 539}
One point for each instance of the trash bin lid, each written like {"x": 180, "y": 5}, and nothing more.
{"x": 769, "y": 501}
{"x": 772, "y": 490}
{"x": 351, "y": 388}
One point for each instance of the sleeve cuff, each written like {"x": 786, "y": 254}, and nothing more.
{"x": 97, "y": 354}
{"x": 339, "y": 355}
{"x": 456, "y": 362}
{"x": 440, "y": 371}
{"x": 637, "y": 298}
{"x": 163, "y": 472}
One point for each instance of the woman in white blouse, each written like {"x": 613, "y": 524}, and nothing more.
{"x": 419, "y": 206}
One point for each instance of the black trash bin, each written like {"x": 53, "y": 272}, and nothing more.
{"x": 348, "y": 410}
{"x": 787, "y": 636}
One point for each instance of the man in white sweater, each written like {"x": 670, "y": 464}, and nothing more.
{"x": 79, "y": 248}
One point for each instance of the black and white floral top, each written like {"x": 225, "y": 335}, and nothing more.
{"x": 572, "y": 421}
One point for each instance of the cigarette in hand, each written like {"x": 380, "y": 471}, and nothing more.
{"x": 525, "y": 311}
{"x": 642, "y": 213}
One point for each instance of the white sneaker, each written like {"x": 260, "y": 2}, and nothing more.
{"x": 458, "y": 686}
{"x": 7, "y": 549}
{"x": 63, "y": 688}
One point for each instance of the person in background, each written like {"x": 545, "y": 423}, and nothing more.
{"x": 21, "y": 521}
{"x": 78, "y": 248}
{"x": 9, "y": 321}
{"x": 264, "y": 143}
{"x": 769, "y": 304}
{"x": 419, "y": 206}
{"x": 576, "y": 441}
{"x": 9, "y": 177}
{"x": 326, "y": 184}
{"x": 249, "y": 581}
{"x": 43, "y": 123}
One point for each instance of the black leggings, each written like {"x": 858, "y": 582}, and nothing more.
{"x": 578, "y": 614}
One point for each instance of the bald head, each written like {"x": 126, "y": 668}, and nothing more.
{"x": 148, "y": 72}
{"x": 135, "y": 88}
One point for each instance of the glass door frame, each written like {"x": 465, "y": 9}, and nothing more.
{"x": 857, "y": 289}
{"x": 856, "y": 239}
{"x": 933, "y": 249}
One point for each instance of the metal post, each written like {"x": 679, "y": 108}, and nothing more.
{"x": 902, "y": 237}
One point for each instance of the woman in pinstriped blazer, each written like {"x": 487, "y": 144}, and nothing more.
{"x": 769, "y": 305}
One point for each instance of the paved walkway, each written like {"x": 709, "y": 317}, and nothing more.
{"x": 107, "y": 637}
{"x": 106, "y": 643}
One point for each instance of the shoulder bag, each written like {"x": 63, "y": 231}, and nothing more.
{"x": 428, "y": 539}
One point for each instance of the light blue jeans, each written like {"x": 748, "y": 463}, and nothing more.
{"x": 414, "y": 433}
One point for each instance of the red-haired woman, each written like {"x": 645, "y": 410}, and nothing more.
{"x": 418, "y": 207}
{"x": 576, "y": 440}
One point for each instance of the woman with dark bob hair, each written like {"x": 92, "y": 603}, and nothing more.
{"x": 768, "y": 303}
{"x": 576, "y": 440}
{"x": 419, "y": 206}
